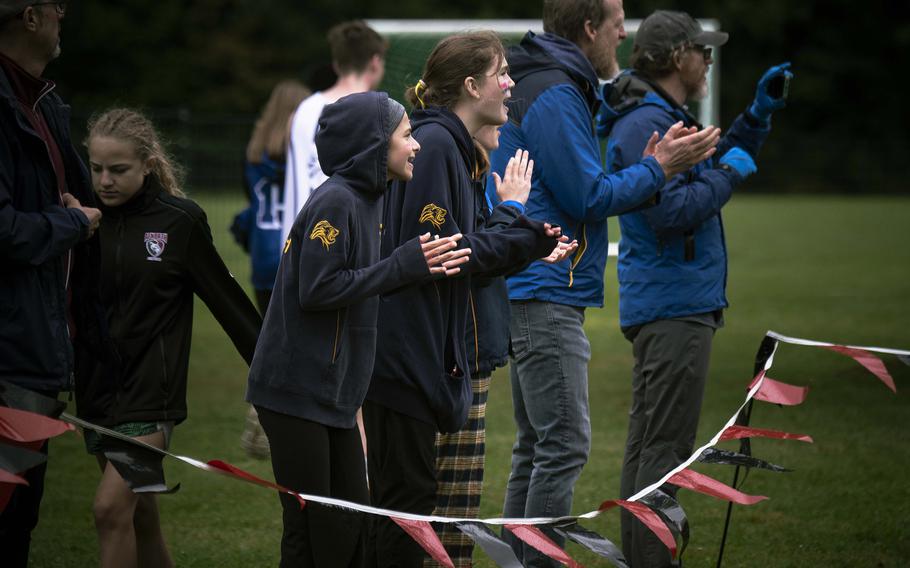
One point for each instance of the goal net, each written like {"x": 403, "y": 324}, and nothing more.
{"x": 411, "y": 41}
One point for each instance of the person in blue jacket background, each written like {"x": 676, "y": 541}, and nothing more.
{"x": 672, "y": 257}
{"x": 258, "y": 227}
{"x": 551, "y": 115}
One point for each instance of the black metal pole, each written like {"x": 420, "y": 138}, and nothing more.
{"x": 765, "y": 349}
{"x": 744, "y": 448}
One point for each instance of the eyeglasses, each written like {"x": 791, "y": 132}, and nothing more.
{"x": 59, "y": 6}
{"x": 704, "y": 49}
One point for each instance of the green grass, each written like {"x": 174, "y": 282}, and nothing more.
{"x": 827, "y": 268}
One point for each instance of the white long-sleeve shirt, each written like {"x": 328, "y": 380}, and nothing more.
{"x": 303, "y": 173}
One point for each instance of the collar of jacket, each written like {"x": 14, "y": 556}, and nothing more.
{"x": 149, "y": 191}
{"x": 450, "y": 121}
{"x": 631, "y": 90}
{"x": 538, "y": 53}
{"x": 20, "y": 85}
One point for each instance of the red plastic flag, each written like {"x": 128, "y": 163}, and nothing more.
{"x": 869, "y": 361}
{"x": 535, "y": 537}
{"x": 7, "y": 477}
{"x": 701, "y": 483}
{"x": 21, "y": 426}
{"x": 234, "y": 471}
{"x": 423, "y": 533}
{"x": 650, "y": 519}
{"x": 777, "y": 392}
{"x": 736, "y": 432}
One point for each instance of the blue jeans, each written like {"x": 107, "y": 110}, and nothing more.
{"x": 549, "y": 366}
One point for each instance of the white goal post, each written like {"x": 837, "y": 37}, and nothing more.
{"x": 708, "y": 110}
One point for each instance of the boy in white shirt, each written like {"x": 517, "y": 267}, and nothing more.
{"x": 358, "y": 57}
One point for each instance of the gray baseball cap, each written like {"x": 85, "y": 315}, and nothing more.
{"x": 13, "y": 7}
{"x": 664, "y": 31}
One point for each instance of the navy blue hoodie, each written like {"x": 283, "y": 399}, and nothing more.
{"x": 315, "y": 352}
{"x": 421, "y": 367}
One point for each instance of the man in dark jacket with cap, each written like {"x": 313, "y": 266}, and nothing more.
{"x": 49, "y": 262}
{"x": 672, "y": 257}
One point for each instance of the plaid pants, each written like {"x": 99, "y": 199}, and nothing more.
{"x": 459, "y": 473}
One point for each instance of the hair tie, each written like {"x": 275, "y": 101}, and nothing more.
{"x": 417, "y": 88}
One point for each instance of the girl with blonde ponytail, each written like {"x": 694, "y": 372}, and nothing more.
{"x": 156, "y": 254}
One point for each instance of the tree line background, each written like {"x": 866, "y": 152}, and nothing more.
{"x": 210, "y": 65}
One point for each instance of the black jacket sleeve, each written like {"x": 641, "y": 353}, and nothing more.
{"x": 325, "y": 238}
{"x": 430, "y": 205}
{"x": 213, "y": 282}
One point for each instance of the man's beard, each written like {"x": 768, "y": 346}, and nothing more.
{"x": 607, "y": 68}
{"x": 697, "y": 92}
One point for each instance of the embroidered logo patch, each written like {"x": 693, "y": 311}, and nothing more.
{"x": 154, "y": 244}
{"x": 433, "y": 214}
{"x": 325, "y": 232}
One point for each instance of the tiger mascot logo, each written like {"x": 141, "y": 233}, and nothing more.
{"x": 325, "y": 232}
{"x": 433, "y": 214}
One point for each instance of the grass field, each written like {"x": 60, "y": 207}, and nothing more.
{"x": 827, "y": 268}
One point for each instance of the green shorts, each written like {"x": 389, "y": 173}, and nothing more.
{"x": 96, "y": 443}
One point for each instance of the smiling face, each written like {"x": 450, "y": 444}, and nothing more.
{"x": 402, "y": 151}
{"x": 117, "y": 170}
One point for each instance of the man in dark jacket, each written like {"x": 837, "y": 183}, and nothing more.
{"x": 49, "y": 263}
{"x": 553, "y": 104}
{"x": 672, "y": 257}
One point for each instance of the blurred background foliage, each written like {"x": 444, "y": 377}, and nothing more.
{"x": 204, "y": 68}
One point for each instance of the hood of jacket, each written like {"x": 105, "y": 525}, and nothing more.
{"x": 549, "y": 51}
{"x": 631, "y": 90}
{"x": 450, "y": 121}
{"x": 351, "y": 142}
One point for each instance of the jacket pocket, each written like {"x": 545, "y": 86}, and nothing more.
{"x": 346, "y": 379}
{"x": 452, "y": 402}
{"x": 338, "y": 338}
{"x": 520, "y": 332}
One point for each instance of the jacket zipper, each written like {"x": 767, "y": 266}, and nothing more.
{"x": 118, "y": 264}
{"x": 337, "y": 333}
{"x": 582, "y": 248}
{"x": 164, "y": 372}
{"x": 476, "y": 339}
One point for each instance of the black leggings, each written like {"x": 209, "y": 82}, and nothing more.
{"x": 313, "y": 458}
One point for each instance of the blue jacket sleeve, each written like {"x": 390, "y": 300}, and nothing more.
{"x": 430, "y": 205}
{"x": 688, "y": 199}
{"x": 559, "y": 132}
{"x": 325, "y": 238}
{"x": 745, "y": 132}
{"x": 32, "y": 238}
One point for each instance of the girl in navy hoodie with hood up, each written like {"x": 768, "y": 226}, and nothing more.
{"x": 312, "y": 364}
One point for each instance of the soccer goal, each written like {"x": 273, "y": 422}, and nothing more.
{"x": 411, "y": 41}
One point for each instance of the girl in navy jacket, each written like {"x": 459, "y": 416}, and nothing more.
{"x": 314, "y": 358}
{"x": 422, "y": 380}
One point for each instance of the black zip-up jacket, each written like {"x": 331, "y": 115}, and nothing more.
{"x": 315, "y": 354}
{"x": 157, "y": 252}
{"x": 421, "y": 365}
{"x": 36, "y": 232}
